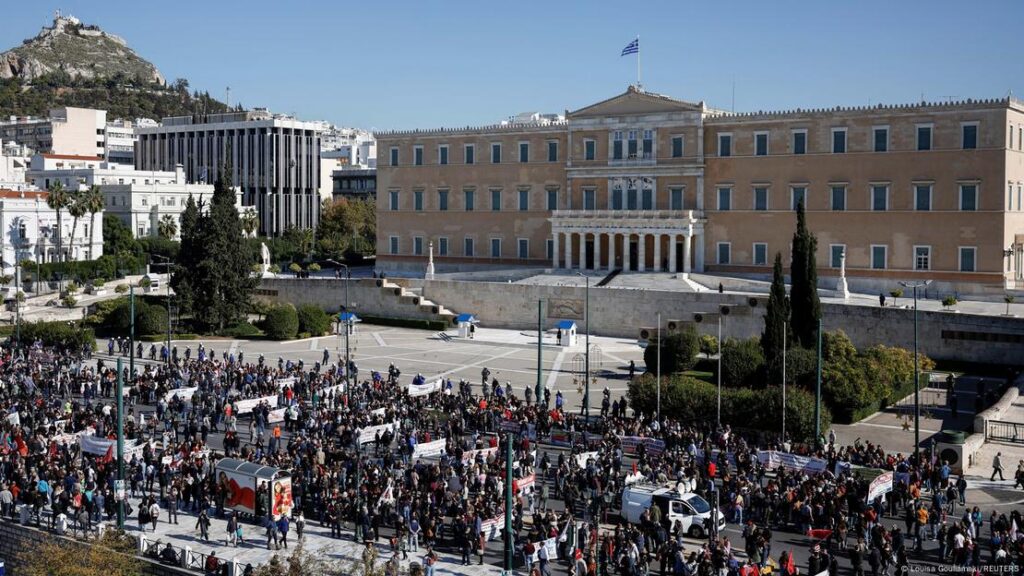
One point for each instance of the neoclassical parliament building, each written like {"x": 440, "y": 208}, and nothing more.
{"x": 645, "y": 182}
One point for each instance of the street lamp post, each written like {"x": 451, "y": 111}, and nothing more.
{"x": 538, "y": 389}
{"x": 348, "y": 317}
{"x": 784, "y": 382}
{"x": 723, "y": 311}
{"x": 658, "y": 373}
{"x": 917, "y": 376}
{"x": 586, "y": 360}
{"x": 168, "y": 261}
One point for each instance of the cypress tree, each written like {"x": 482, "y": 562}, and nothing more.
{"x": 187, "y": 263}
{"x": 775, "y": 335}
{"x": 804, "y": 303}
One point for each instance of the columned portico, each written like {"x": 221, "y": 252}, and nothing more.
{"x": 622, "y": 226}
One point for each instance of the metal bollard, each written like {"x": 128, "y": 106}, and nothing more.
{"x": 186, "y": 557}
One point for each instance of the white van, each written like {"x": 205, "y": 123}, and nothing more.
{"x": 688, "y": 508}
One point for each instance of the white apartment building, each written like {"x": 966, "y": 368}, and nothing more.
{"x": 68, "y": 130}
{"x": 14, "y": 163}
{"x": 140, "y": 198}
{"x": 274, "y": 160}
{"x": 29, "y": 231}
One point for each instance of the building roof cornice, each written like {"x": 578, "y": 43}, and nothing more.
{"x": 481, "y": 130}
{"x": 923, "y": 107}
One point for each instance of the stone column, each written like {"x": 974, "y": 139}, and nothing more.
{"x": 597, "y": 250}
{"x": 583, "y": 251}
{"x": 625, "y": 251}
{"x": 699, "y": 248}
{"x": 672, "y": 253}
{"x": 657, "y": 252}
{"x": 568, "y": 250}
{"x": 554, "y": 250}
{"x": 641, "y": 252}
{"x": 611, "y": 250}
{"x": 686, "y": 254}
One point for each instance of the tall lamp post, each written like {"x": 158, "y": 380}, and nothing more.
{"x": 348, "y": 313}
{"x": 586, "y": 360}
{"x": 168, "y": 264}
{"x": 917, "y": 376}
{"x": 539, "y": 388}
{"x": 723, "y": 311}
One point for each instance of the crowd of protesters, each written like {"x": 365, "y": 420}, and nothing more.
{"x": 378, "y": 489}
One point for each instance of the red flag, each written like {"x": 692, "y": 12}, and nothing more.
{"x": 634, "y": 467}
{"x": 790, "y": 565}
{"x": 819, "y": 533}
{"x": 109, "y": 456}
{"x": 53, "y": 449}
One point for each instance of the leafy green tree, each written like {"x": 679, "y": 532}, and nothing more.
{"x": 742, "y": 363}
{"x": 313, "y": 320}
{"x": 282, "y": 322}
{"x": 805, "y": 306}
{"x": 58, "y": 200}
{"x": 167, "y": 227}
{"x": 776, "y": 328}
{"x": 678, "y": 351}
{"x": 184, "y": 278}
{"x": 708, "y": 345}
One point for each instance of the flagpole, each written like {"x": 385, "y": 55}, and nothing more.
{"x": 638, "y": 85}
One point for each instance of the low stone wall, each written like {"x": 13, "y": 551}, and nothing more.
{"x": 998, "y": 410}
{"x": 364, "y": 294}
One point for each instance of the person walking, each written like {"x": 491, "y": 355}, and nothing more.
{"x": 172, "y": 505}
{"x": 272, "y": 534}
{"x": 154, "y": 514}
{"x": 997, "y": 467}
{"x": 203, "y": 524}
{"x": 233, "y": 530}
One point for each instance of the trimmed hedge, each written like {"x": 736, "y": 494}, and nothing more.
{"x": 678, "y": 351}
{"x": 149, "y": 318}
{"x": 163, "y": 337}
{"x": 242, "y": 330}
{"x": 313, "y": 320}
{"x": 434, "y": 325}
{"x": 62, "y": 334}
{"x": 743, "y": 363}
{"x": 281, "y": 323}
{"x": 690, "y": 400}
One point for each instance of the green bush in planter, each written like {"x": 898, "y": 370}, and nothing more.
{"x": 313, "y": 320}
{"x": 282, "y": 322}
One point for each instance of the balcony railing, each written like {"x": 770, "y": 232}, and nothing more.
{"x": 629, "y": 214}
{"x": 636, "y": 160}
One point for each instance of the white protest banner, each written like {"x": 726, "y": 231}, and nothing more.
{"x": 425, "y": 388}
{"x": 183, "y": 393}
{"x": 276, "y": 415}
{"x": 282, "y": 382}
{"x": 247, "y": 406}
{"x": 428, "y": 449}
{"x": 470, "y": 455}
{"x": 525, "y": 485}
{"x": 94, "y": 445}
{"x": 653, "y": 446}
{"x": 331, "y": 390}
{"x": 369, "y": 434}
{"x": 880, "y": 486}
{"x": 581, "y": 459}
{"x": 805, "y": 464}
{"x": 551, "y": 544}
{"x": 14, "y": 419}
{"x": 492, "y": 528}
{"x": 379, "y": 412}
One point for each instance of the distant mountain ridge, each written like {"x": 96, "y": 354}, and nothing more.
{"x": 74, "y": 64}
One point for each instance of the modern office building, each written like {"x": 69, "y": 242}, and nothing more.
{"x": 274, "y": 160}
{"x": 356, "y": 182}
{"x": 120, "y": 139}
{"x": 646, "y": 182}
{"x": 68, "y": 130}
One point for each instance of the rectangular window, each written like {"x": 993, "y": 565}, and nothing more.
{"x": 800, "y": 142}
{"x": 394, "y": 156}
{"x": 879, "y": 198}
{"x": 553, "y": 151}
{"x": 761, "y": 144}
{"x": 1011, "y": 136}
{"x": 553, "y": 199}
{"x": 631, "y": 144}
{"x": 838, "y": 198}
{"x": 495, "y": 247}
{"x": 470, "y": 153}
{"x": 589, "y": 149}
{"x": 835, "y": 258}
{"x": 495, "y": 200}
{"x": 1009, "y": 197}
{"x": 677, "y": 146}
{"x": 969, "y": 136}
{"x": 589, "y": 199}
{"x": 968, "y": 197}
{"x": 967, "y": 258}
{"x": 675, "y": 198}
{"x": 799, "y": 196}
{"x": 417, "y": 155}
{"x": 922, "y": 257}
{"x": 524, "y": 200}
{"x": 616, "y": 198}
{"x": 442, "y": 246}
{"x": 760, "y": 198}
{"x": 495, "y": 153}
{"x": 442, "y": 155}
{"x": 442, "y": 200}
{"x": 524, "y": 152}
{"x": 760, "y": 254}
{"x": 467, "y": 247}
{"x": 647, "y": 199}
{"x": 725, "y": 145}
{"x": 417, "y": 198}
{"x": 878, "y": 256}
{"x": 617, "y": 145}
{"x": 648, "y": 144}
{"x": 417, "y": 246}
{"x": 924, "y": 137}
{"x": 393, "y": 241}
{"x": 724, "y": 252}
{"x": 631, "y": 199}
{"x": 470, "y": 199}
{"x": 523, "y": 248}
{"x": 881, "y": 138}
{"x": 725, "y": 198}
{"x": 922, "y": 197}
{"x": 393, "y": 200}
{"x": 839, "y": 140}
{"x": 549, "y": 250}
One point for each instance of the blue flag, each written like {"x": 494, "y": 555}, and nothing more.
{"x": 632, "y": 48}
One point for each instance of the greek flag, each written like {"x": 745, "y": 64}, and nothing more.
{"x": 632, "y": 48}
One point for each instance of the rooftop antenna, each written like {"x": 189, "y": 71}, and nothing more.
{"x": 227, "y": 97}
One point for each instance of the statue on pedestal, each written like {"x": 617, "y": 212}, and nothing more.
{"x": 264, "y": 259}
{"x": 841, "y": 287}
{"x": 430, "y": 263}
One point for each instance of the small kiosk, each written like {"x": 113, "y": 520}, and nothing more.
{"x": 566, "y": 333}
{"x": 348, "y": 319}
{"x": 243, "y": 482}
{"x": 467, "y": 325}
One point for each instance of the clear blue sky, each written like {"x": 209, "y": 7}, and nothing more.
{"x": 407, "y": 64}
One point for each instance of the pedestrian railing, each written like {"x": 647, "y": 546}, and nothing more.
{"x": 1001, "y": 431}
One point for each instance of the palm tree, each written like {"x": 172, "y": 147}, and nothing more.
{"x": 58, "y": 199}
{"x": 250, "y": 222}
{"x": 77, "y": 209}
{"x": 306, "y": 239}
{"x": 167, "y": 227}
{"x": 94, "y": 204}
